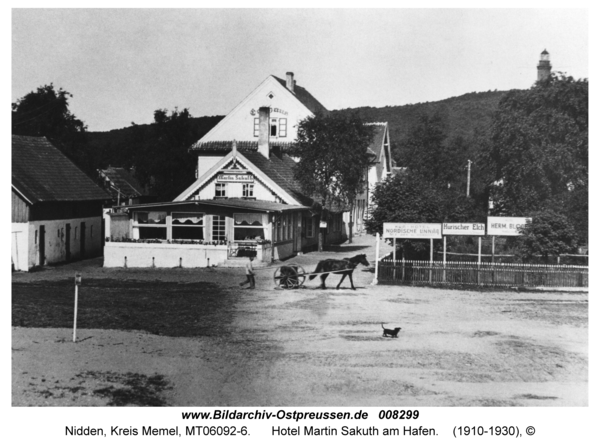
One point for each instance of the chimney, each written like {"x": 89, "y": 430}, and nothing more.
{"x": 263, "y": 131}
{"x": 289, "y": 81}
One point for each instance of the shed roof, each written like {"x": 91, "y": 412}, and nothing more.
{"x": 42, "y": 173}
{"x": 122, "y": 181}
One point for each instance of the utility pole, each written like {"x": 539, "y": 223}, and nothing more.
{"x": 469, "y": 177}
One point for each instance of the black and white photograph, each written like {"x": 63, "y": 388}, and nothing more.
{"x": 260, "y": 211}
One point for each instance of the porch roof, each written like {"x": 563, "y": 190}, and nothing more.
{"x": 231, "y": 204}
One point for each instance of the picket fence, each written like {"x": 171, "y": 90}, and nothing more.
{"x": 484, "y": 274}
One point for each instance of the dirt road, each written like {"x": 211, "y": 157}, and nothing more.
{"x": 316, "y": 347}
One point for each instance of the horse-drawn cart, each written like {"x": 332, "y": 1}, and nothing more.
{"x": 292, "y": 276}
{"x": 289, "y": 276}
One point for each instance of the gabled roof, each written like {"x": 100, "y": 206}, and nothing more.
{"x": 122, "y": 182}
{"x": 42, "y": 173}
{"x": 280, "y": 169}
{"x": 377, "y": 147}
{"x": 304, "y": 96}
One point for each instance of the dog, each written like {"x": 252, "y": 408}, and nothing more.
{"x": 391, "y": 332}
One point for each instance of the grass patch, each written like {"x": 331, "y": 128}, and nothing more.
{"x": 162, "y": 308}
{"x": 130, "y": 388}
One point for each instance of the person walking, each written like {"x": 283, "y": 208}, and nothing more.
{"x": 249, "y": 274}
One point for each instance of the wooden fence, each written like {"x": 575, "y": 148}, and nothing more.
{"x": 484, "y": 274}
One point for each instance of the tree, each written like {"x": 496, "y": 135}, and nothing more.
{"x": 333, "y": 159}
{"x": 548, "y": 234}
{"x": 45, "y": 113}
{"x": 163, "y": 160}
{"x": 411, "y": 198}
{"x": 538, "y": 151}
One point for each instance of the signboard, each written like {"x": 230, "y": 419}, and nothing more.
{"x": 412, "y": 230}
{"x": 463, "y": 229}
{"x": 235, "y": 178}
{"x": 323, "y": 224}
{"x": 506, "y": 226}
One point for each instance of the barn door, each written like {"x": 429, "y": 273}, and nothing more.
{"x": 42, "y": 245}
{"x": 82, "y": 241}
{"x": 68, "y": 242}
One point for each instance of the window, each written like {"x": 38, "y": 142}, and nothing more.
{"x": 188, "y": 226}
{"x": 249, "y": 226}
{"x": 36, "y": 237}
{"x": 75, "y": 233}
{"x": 220, "y": 189}
{"x": 256, "y": 127}
{"x": 218, "y": 228}
{"x": 248, "y": 190}
{"x": 310, "y": 227}
{"x": 273, "y": 132}
{"x": 148, "y": 225}
{"x": 283, "y": 127}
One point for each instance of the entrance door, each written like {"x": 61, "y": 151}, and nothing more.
{"x": 68, "y": 242}
{"x": 82, "y": 241}
{"x": 42, "y": 246}
{"x": 298, "y": 232}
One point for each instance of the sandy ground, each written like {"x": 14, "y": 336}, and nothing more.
{"x": 323, "y": 347}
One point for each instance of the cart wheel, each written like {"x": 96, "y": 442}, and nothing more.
{"x": 289, "y": 276}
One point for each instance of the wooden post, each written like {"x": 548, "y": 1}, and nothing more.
{"x": 77, "y": 284}
{"x": 403, "y": 263}
{"x": 479, "y": 262}
{"x": 430, "y": 260}
{"x": 394, "y": 258}
{"x": 493, "y": 260}
{"x": 374, "y": 283}
{"x": 444, "y": 278}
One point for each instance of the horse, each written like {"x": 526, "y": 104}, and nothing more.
{"x": 343, "y": 267}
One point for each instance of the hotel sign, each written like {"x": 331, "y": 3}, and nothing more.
{"x": 506, "y": 226}
{"x": 412, "y": 230}
{"x": 463, "y": 229}
{"x": 235, "y": 178}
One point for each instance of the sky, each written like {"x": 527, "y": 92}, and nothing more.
{"x": 121, "y": 65}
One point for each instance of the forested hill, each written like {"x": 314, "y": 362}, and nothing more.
{"x": 118, "y": 145}
{"x": 463, "y": 115}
